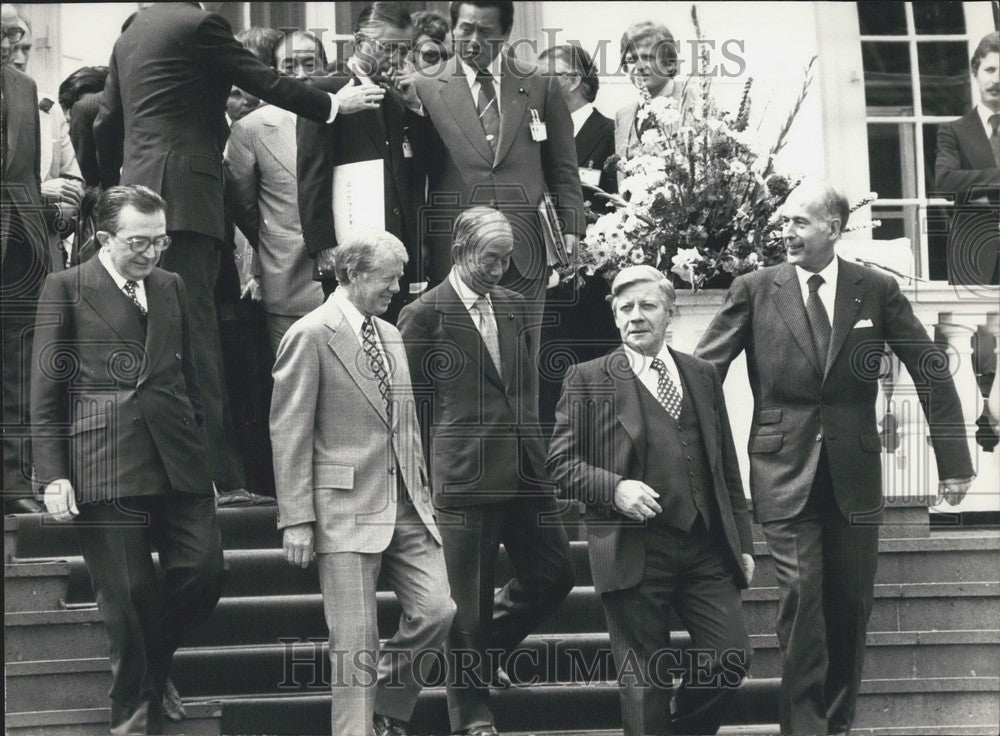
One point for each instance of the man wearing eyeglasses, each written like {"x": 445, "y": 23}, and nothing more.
{"x": 119, "y": 445}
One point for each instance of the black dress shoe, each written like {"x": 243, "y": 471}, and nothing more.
{"x": 385, "y": 726}
{"x": 24, "y": 505}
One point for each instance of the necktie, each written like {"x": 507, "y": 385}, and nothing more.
{"x": 488, "y": 108}
{"x": 488, "y": 330}
{"x": 666, "y": 392}
{"x": 130, "y": 287}
{"x": 994, "y": 121}
{"x": 376, "y": 364}
{"x": 819, "y": 320}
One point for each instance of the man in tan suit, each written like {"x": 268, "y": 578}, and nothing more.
{"x": 352, "y": 487}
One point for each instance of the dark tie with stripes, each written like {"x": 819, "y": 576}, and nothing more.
{"x": 819, "y": 320}
{"x": 488, "y": 108}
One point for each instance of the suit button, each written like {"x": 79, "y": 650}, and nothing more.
{"x": 185, "y": 421}
{"x": 395, "y": 211}
{"x": 177, "y": 355}
{"x": 136, "y": 420}
{"x": 392, "y": 470}
{"x": 685, "y": 445}
{"x": 691, "y": 473}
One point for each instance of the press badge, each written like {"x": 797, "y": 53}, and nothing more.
{"x": 407, "y": 148}
{"x": 538, "y": 132}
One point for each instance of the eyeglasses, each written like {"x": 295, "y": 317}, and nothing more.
{"x": 13, "y": 33}
{"x": 393, "y": 47}
{"x": 140, "y": 243}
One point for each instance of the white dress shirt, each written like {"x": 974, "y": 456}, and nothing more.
{"x": 468, "y": 297}
{"x": 642, "y": 367}
{"x": 496, "y": 69}
{"x": 140, "y": 286}
{"x": 828, "y": 289}
{"x": 580, "y": 117}
{"x": 356, "y": 321}
{"x": 984, "y": 114}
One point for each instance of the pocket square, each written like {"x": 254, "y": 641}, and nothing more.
{"x": 863, "y": 323}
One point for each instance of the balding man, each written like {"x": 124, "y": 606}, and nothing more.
{"x": 352, "y": 487}
{"x": 642, "y": 437}
{"x": 813, "y": 329}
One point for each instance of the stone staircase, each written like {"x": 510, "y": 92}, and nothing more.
{"x": 259, "y": 665}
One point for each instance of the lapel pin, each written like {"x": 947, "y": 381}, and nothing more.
{"x": 510, "y": 315}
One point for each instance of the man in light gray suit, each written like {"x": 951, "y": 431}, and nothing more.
{"x": 352, "y": 487}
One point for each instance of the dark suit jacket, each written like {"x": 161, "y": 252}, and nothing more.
{"x": 162, "y": 119}
{"x": 599, "y": 440}
{"x": 464, "y": 171}
{"x": 966, "y": 171}
{"x": 364, "y": 136}
{"x": 81, "y": 133}
{"x": 595, "y": 144}
{"x": 481, "y": 431}
{"x": 802, "y": 405}
{"x": 114, "y": 405}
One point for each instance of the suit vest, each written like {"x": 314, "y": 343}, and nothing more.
{"x": 675, "y": 464}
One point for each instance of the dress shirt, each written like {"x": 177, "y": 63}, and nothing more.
{"x": 496, "y": 69}
{"x": 580, "y": 117}
{"x": 356, "y": 321}
{"x": 642, "y": 367}
{"x": 140, "y": 285}
{"x": 828, "y": 289}
{"x": 984, "y": 114}
{"x": 468, "y": 297}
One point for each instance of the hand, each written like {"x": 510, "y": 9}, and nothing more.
{"x": 636, "y": 500}
{"x": 63, "y": 191}
{"x": 953, "y": 490}
{"x": 297, "y": 542}
{"x": 357, "y": 97}
{"x": 325, "y": 262}
{"x": 252, "y": 290}
{"x": 402, "y": 80}
{"x": 748, "y": 565}
{"x": 60, "y": 500}
{"x": 571, "y": 241}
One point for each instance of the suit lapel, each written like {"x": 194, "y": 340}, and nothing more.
{"x": 626, "y": 397}
{"x": 458, "y": 324}
{"x": 788, "y": 299}
{"x": 588, "y": 139}
{"x": 973, "y": 138}
{"x": 163, "y": 313}
{"x": 457, "y": 98}
{"x": 110, "y": 304}
{"x": 16, "y": 101}
{"x": 514, "y": 91}
{"x": 624, "y": 127}
{"x": 347, "y": 347}
{"x": 846, "y": 306}
{"x": 699, "y": 384}
{"x": 283, "y": 150}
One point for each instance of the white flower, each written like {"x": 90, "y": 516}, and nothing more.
{"x": 683, "y": 264}
{"x": 737, "y": 167}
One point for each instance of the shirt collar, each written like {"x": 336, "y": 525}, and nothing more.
{"x": 829, "y": 274}
{"x": 984, "y": 114}
{"x": 640, "y": 363}
{"x": 580, "y": 117}
{"x": 105, "y": 258}
{"x": 351, "y": 313}
{"x": 352, "y": 65}
{"x": 496, "y": 69}
{"x": 467, "y": 296}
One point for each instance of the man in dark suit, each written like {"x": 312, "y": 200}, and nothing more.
{"x": 642, "y": 437}
{"x": 504, "y": 139}
{"x": 391, "y": 133}
{"x": 120, "y": 447}
{"x": 966, "y": 170}
{"x": 162, "y": 125}
{"x": 813, "y": 329}
{"x": 470, "y": 354}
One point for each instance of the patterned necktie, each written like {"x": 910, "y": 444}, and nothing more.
{"x": 130, "y": 287}
{"x": 488, "y": 330}
{"x": 819, "y": 320}
{"x": 488, "y": 108}
{"x": 666, "y": 392}
{"x": 994, "y": 121}
{"x": 376, "y": 364}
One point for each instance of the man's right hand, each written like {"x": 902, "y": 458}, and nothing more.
{"x": 297, "y": 542}
{"x": 63, "y": 191}
{"x": 636, "y": 500}
{"x": 357, "y": 97}
{"x": 325, "y": 262}
{"x": 60, "y": 500}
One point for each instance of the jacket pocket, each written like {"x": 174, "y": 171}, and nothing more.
{"x": 870, "y": 443}
{"x": 333, "y": 475}
{"x": 87, "y": 423}
{"x": 764, "y": 443}
{"x": 770, "y": 416}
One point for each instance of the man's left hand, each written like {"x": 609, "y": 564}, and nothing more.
{"x": 953, "y": 490}
{"x": 748, "y": 565}
{"x": 402, "y": 80}
{"x": 63, "y": 191}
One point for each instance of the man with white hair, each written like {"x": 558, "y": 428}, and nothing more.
{"x": 642, "y": 438}
{"x": 352, "y": 487}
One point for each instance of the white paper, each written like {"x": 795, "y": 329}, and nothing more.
{"x": 358, "y": 197}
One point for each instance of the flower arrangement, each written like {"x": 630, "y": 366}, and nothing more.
{"x": 699, "y": 197}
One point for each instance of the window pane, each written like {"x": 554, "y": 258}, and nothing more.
{"x": 881, "y": 18}
{"x": 938, "y": 17}
{"x": 899, "y": 221}
{"x": 936, "y": 224}
{"x": 891, "y": 165}
{"x": 944, "y": 78}
{"x": 887, "y": 74}
{"x": 930, "y": 156}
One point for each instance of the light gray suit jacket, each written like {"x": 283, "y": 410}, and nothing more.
{"x": 625, "y": 125}
{"x": 260, "y": 155}
{"x": 337, "y": 457}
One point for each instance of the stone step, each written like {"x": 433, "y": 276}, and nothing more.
{"x": 569, "y": 659}
{"x": 203, "y": 719}
{"x": 959, "y": 557}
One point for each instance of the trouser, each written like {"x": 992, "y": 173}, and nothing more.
{"x": 685, "y": 573}
{"x": 825, "y": 567}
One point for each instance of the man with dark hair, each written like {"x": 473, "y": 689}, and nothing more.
{"x": 80, "y": 99}
{"x": 967, "y": 170}
{"x": 119, "y": 447}
{"x": 813, "y": 330}
{"x": 299, "y": 54}
{"x": 504, "y": 139}
{"x": 487, "y": 460}
{"x": 391, "y": 132}
{"x": 431, "y": 39}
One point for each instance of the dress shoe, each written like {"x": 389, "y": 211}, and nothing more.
{"x": 173, "y": 706}
{"x": 147, "y": 720}
{"x": 482, "y": 731}
{"x": 242, "y": 497}
{"x": 385, "y": 726}
{"x": 23, "y": 505}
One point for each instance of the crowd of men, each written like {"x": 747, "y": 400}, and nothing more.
{"x": 412, "y": 432}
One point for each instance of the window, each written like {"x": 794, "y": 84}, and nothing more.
{"x": 915, "y": 57}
